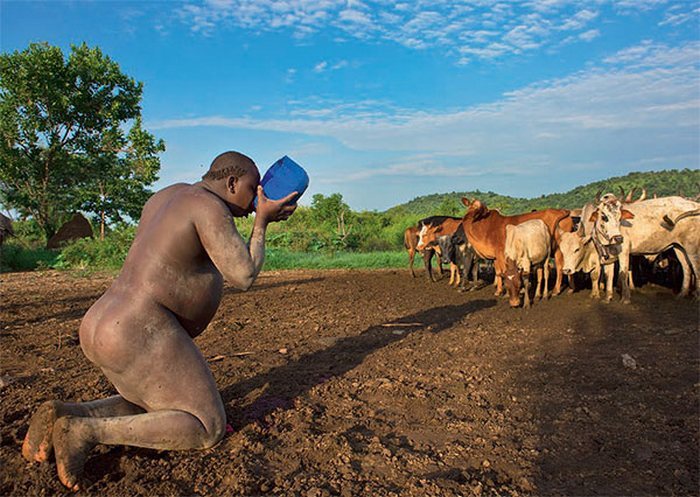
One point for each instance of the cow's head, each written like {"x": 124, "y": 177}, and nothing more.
{"x": 476, "y": 209}
{"x": 607, "y": 218}
{"x": 513, "y": 282}
{"x": 573, "y": 247}
{"x": 427, "y": 236}
{"x": 444, "y": 242}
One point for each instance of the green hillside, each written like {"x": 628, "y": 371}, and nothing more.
{"x": 669, "y": 182}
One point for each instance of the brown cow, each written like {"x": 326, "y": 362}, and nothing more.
{"x": 486, "y": 230}
{"x": 410, "y": 240}
{"x": 429, "y": 232}
{"x": 431, "y": 229}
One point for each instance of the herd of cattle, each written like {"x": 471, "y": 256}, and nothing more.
{"x": 601, "y": 237}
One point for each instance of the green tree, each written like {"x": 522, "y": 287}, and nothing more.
{"x": 64, "y": 145}
{"x": 336, "y": 216}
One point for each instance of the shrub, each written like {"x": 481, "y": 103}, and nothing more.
{"x": 14, "y": 257}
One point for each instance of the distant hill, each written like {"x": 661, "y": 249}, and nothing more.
{"x": 662, "y": 183}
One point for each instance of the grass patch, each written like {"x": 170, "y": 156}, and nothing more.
{"x": 92, "y": 255}
{"x": 281, "y": 259}
{"x": 14, "y": 257}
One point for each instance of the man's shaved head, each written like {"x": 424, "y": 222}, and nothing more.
{"x": 230, "y": 164}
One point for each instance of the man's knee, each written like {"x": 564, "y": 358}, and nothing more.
{"x": 215, "y": 429}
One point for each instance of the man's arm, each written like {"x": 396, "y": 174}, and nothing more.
{"x": 225, "y": 246}
{"x": 240, "y": 263}
{"x": 256, "y": 244}
{"x": 267, "y": 211}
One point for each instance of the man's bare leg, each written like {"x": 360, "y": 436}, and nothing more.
{"x": 73, "y": 438}
{"x": 38, "y": 443}
{"x": 165, "y": 373}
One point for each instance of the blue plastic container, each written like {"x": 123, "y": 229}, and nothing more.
{"x": 282, "y": 178}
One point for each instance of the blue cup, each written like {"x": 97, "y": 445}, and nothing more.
{"x": 282, "y": 178}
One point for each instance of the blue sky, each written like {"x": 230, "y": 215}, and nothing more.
{"x": 385, "y": 101}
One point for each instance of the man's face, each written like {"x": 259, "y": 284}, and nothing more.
{"x": 245, "y": 190}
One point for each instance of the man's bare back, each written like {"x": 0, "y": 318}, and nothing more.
{"x": 140, "y": 331}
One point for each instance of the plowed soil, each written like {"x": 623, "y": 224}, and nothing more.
{"x": 372, "y": 383}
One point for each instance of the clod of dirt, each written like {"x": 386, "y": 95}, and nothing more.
{"x": 628, "y": 361}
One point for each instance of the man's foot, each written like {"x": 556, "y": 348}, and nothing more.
{"x": 72, "y": 445}
{"x": 38, "y": 443}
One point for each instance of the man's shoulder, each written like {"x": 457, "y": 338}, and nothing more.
{"x": 184, "y": 193}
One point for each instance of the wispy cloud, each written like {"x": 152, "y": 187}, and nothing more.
{"x": 324, "y": 66}
{"x": 478, "y": 29}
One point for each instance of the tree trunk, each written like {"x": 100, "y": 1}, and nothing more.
{"x": 102, "y": 225}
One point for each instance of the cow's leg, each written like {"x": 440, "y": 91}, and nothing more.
{"x": 427, "y": 260}
{"x": 499, "y": 266}
{"x": 572, "y": 283}
{"x": 464, "y": 265}
{"x": 545, "y": 290}
{"x": 623, "y": 277}
{"x": 538, "y": 285}
{"x": 475, "y": 274}
{"x": 526, "y": 287}
{"x": 685, "y": 262}
{"x": 609, "y": 277}
{"x": 595, "y": 277}
{"x": 558, "y": 265}
{"x": 411, "y": 256}
{"x": 630, "y": 280}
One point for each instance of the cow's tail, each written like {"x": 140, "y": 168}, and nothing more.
{"x": 669, "y": 223}
{"x": 564, "y": 214}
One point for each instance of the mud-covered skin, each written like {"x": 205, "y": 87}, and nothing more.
{"x": 139, "y": 333}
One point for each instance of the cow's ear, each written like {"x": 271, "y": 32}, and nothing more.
{"x": 438, "y": 229}
{"x": 465, "y": 201}
{"x": 625, "y": 214}
{"x": 594, "y": 217}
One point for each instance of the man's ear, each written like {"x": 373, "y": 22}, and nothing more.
{"x": 231, "y": 183}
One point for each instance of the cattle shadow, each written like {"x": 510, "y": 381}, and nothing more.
{"x": 289, "y": 381}
{"x": 608, "y": 426}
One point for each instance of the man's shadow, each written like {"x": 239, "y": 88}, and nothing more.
{"x": 285, "y": 383}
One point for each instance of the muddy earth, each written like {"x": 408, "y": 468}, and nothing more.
{"x": 372, "y": 383}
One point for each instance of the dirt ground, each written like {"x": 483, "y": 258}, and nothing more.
{"x": 372, "y": 383}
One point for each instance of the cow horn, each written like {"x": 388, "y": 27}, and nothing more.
{"x": 643, "y": 196}
{"x": 597, "y": 196}
{"x": 622, "y": 191}
{"x": 628, "y": 199}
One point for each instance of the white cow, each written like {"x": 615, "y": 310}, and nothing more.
{"x": 580, "y": 254}
{"x": 644, "y": 230}
{"x": 528, "y": 245}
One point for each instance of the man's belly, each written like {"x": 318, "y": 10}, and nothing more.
{"x": 191, "y": 296}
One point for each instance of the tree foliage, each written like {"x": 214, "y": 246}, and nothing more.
{"x": 63, "y": 142}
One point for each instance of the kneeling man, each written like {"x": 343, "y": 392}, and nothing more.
{"x": 141, "y": 331}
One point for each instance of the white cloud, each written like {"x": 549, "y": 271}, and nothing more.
{"x": 638, "y": 104}
{"x": 676, "y": 16}
{"x": 589, "y": 35}
{"x": 481, "y": 29}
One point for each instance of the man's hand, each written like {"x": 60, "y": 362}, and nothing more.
{"x": 274, "y": 210}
